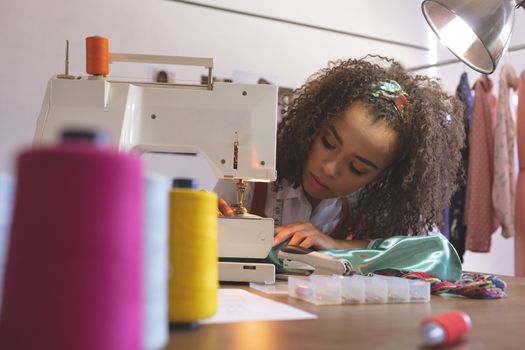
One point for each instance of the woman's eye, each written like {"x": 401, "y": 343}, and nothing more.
{"x": 356, "y": 171}
{"x": 327, "y": 144}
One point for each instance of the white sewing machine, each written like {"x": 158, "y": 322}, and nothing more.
{"x": 232, "y": 125}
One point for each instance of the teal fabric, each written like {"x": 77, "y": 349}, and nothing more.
{"x": 431, "y": 254}
{"x": 273, "y": 255}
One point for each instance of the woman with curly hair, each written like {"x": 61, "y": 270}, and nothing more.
{"x": 365, "y": 150}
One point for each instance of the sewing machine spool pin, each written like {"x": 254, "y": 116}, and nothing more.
{"x": 66, "y": 74}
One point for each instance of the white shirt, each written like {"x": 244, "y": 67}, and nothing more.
{"x": 295, "y": 206}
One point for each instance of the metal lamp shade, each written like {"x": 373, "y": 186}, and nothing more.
{"x": 477, "y": 32}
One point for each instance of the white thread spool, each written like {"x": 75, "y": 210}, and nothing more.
{"x": 155, "y": 261}
{"x": 6, "y": 205}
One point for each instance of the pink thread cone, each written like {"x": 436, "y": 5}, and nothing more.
{"x": 73, "y": 270}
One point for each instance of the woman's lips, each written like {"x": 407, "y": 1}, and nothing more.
{"x": 318, "y": 183}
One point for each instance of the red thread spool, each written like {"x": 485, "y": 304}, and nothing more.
{"x": 73, "y": 272}
{"x": 445, "y": 328}
{"x": 97, "y": 55}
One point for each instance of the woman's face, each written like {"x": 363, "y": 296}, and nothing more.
{"x": 348, "y": 154}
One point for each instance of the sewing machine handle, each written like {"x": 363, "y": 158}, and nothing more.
{"x": 205, "y": 62}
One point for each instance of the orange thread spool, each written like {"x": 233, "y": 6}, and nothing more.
{"x": 97, "y": 55}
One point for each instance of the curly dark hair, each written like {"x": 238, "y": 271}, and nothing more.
{"x": 419, "y": 184}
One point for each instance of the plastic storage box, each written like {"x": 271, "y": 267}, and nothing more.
{"x": 357, "y": 289}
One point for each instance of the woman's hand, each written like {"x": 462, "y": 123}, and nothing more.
{"x": 224, "y": 209}
{"x": 304, "y": 234}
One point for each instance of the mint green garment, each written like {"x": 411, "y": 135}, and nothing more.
{"x": 430, "y": 254}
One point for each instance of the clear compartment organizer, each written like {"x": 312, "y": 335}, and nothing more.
{"x": 357, "y": 289}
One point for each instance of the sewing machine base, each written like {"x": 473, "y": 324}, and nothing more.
{"x": 241, "y": 238}
{"x": 246, "y": 272}
{"x": 249, "y": 237}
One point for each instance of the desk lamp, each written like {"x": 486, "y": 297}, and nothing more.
{"x": 477, "y": 32}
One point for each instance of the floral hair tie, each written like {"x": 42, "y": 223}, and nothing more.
{"x": 391, "y": 91}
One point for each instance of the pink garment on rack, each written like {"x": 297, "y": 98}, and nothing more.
{"x": 519, "y": 242}
{"x": 480, "y": 217}
{"x": 504, "y": 136}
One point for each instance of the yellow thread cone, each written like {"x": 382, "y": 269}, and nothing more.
{"x": 193, "y": 279}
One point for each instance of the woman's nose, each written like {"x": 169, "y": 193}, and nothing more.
{"x": 331, "y": 168}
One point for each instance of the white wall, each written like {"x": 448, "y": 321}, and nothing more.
{"x": 33, "y": 35}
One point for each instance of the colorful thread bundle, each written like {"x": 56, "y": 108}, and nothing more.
{"x": 470, "y": 285}
{"x": 193, "y": 278}
{"x": 73, "y": 273}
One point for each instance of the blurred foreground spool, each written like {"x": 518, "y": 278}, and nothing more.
{"x": 73, "y": 273}
{"x": 193, "y": 280}
{"x": 97, "y": 55}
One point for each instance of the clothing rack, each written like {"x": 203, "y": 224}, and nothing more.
{"x": 455, "y": 60}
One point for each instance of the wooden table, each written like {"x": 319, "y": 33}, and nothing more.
{"x": 496, "y": 324}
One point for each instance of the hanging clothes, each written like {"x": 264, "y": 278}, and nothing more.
{"x": 504, "y": 136}
{"x": 480, "y": 217}
{"x": 519, "y": 241}
{"x": 457, "y": 228}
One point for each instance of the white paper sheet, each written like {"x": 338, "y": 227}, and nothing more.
{"x": 238, "y": 305}
{"x": 279, "y": 287}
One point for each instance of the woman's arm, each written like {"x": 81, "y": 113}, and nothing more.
{"x": 306, "y": 235}
{"x": 346, "y": 244}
